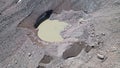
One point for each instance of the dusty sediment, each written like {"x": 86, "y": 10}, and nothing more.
{"x": 92, "y": 40}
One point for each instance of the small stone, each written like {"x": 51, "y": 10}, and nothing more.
{"x": 28, "y": 33}
{"x": 15, "y": 61}
{"x": 88, "y": 48}
{"x": 92, "y": 35}
{"x": 86, "y": 11}
{"x": 101, "y": 57}
{"x": 29, "y": 54}
{"x": 34, "y": 43}
{"x": 19, "y": 1}
{"x": 8, "y": 65}
{"x": 80, "y": 22}
{"x": 100, "y": 42}
{"x": 103, "y": 34}
{"x": 114, "y": 49}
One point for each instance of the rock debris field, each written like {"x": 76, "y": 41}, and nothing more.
{"x": 91, "y": 40}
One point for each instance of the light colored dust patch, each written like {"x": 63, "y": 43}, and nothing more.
{"x": 50, "y": 30}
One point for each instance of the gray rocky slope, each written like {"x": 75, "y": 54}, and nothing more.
{"x": 92, "y": 40}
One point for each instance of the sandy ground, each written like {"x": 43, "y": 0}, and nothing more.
{"x": 92, "y": 40}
